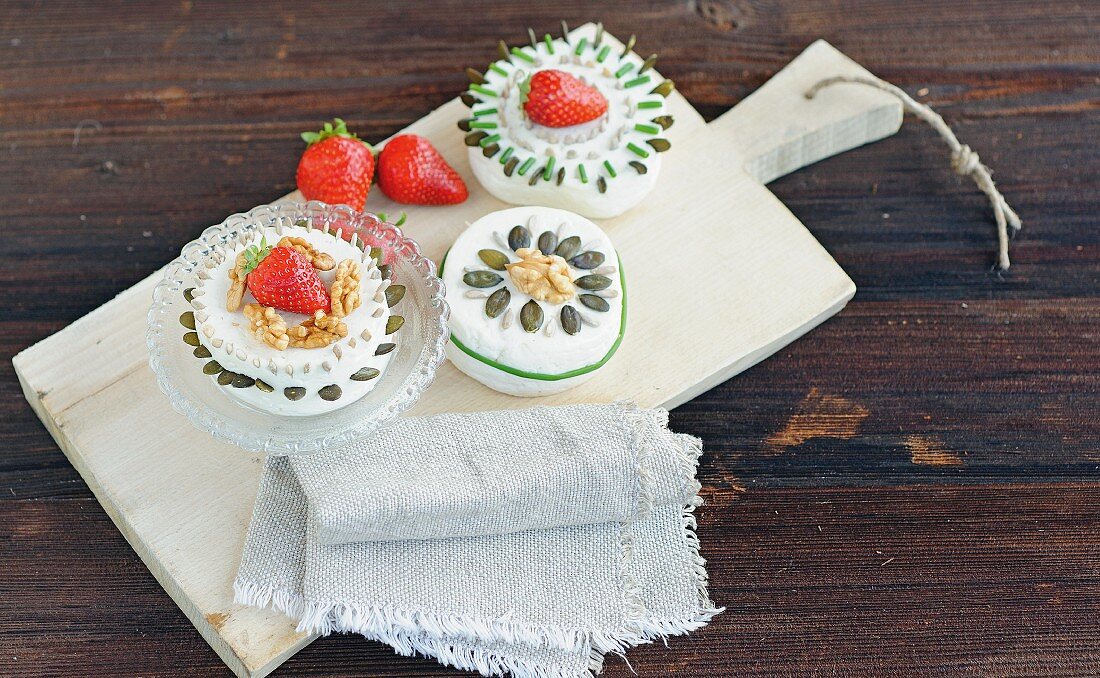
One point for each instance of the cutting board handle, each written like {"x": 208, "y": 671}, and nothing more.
{"x": 777, "y": 130}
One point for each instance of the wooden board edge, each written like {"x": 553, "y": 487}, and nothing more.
{"x": 219, "y": 644}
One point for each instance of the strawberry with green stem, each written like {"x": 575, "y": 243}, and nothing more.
{"x": 554, "y": 98}
{"x": 284, "y": 279}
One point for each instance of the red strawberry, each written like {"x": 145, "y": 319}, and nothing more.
{"x": 557, "y": 99}
{"x": 283, "y": 278}
{"x": 411, "y": 171}
{"x": 336, "y": 167}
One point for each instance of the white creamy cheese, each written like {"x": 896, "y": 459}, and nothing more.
{"x": 228, "y": 338}
{"x": 614, "y": 150}
{"x": 542, "y": 356}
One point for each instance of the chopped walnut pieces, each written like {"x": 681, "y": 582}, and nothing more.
{"x": 267, "y": 326}
{"x": 344, "y": 294}
{"x": 317, "y": 332}
{"x": 235, "y": 296}
{"x": 320, "y": 260}
{"x": 543, "y": 277}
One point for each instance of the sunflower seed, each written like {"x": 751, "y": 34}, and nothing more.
{"x": 226, "y": 378}
{"x": 481, "y": 279}
{"x": 519, "y": 237}
{"x": 547, "y": 242}
{"x": 385, "y": 348}
{"x": 587, "y": 260}
{"x": 330, "y": 392}
{"x": 264, "y": 386}
{"x": 593, "y": 282}
{"x": 595, "y": 303}
{"x": 394, "y": 323}
{"x": 494, "y": 259}
{"x": 191, "y": 338}
{"x": 570, "y": 320}
{"x": 394, "y": 294}
{"x": 365, "y": 374}
{"x": 212, "y": 368}
{"x": 530, "y": 316}
{"x": 294, "y": 392}
{"x": 569, "y": 247}
{"x": 202, "y": 352}
{"x": 497, "y": 302}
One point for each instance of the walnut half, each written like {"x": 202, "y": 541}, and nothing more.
{"x": 320, "y": 260}
{"x": 267, "y": 326}
{"x": 543, "y": 277}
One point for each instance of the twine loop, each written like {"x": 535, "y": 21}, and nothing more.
{"x": 964, "y": 160}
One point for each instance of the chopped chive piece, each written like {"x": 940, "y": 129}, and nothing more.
{"x": 624, "y": 69}
{"x": 526, "y": 166}
{"x": 523, "y": 55}
{"x": 549, "y": 171}
{"x": 486, "y": 111}
{"x": 649, "y": 104}
{"x": 603, "y": 53}
{"x": 489, "y": 140}
{"x": 641, "y": 80}
{"x": 507, "y": 154}
{"x": 494, "y": 67}
{"x": 641, "y": 152}
{"x": 483, "y": 124}
{"x": 582, "y": 173}
{"x": 549, "y": 43}
{"x": 641, "y": 127}
{"x": 610, "y": 169}
{"x": 580, "y": 46}
{"x": 482, "y": 89}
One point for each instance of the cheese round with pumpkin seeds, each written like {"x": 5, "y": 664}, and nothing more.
{"x": 598, "y": 169}
{"x": 528, "y": 323}
{"x": 294, "y": 381}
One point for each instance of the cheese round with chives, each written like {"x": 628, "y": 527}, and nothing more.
{"x": 600, "y": 167}
{"x": 538, "y": 300}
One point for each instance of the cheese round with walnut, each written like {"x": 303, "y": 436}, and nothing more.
{"x": 537, "y": 299}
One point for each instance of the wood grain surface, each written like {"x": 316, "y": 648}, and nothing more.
{"x": 910, "y": 489}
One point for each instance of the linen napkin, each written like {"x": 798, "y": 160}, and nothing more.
{"x": 531, "y": 542}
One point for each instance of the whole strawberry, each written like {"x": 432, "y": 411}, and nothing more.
{"x": 554, "y": 98}
{"x": 283, "y": 278}
{"x": 337, "y": 166}
{"x": 411, "y": 171}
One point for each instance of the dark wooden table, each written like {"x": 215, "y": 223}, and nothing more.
{"x": 911, "y": 488}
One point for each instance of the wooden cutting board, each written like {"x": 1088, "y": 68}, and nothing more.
{"x": 722, "y": 275}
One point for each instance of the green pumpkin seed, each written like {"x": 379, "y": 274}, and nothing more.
{"x": 474, "y": 138}
{"x": 294, "y": 392}
{"x": 536, "y": 176}
{"x": 497, "y": 302}
{"x": 202, "y": 352}
{"x": 394, "y": 294}
{"x": 595, "y": 303}
{"x": 212, "y": 368}
{"x": 330, "y": 392}
{"x": 490, "y": 150}
{"x": 570, "y": 320}
{"x": 640, "y": 166}
{"x": 510, "y": 166}
{"x": 386, "y": 271}
{"x": 630, "y": 44}
{"x": 531, "y": 316}
{"x": 385, "y": 348}
{"x": 659, "y": 145}
{"x": 481, "y": 279}
{"x": 188, "y": 320}
{"x": 474, "y": 76}
{"x": 394, "y": 323}
{"x": 665, "y": 121}
{"x": 569, "y": 247}
{"x": 519, "y": 237}
{"x": 648, "y": 63}
{"x": 376, "y": 254}
{"x": 191, "y": 339}
{"x": 226, "y": 378}
{"x": 467, "y": 99}
{"x": 464, "y": 125}
{"x": 547, "y": 242}
{"x": 243, "y": 381}
{"x": 365, "y": 374}
{"x": 189, "y": 294}
{"x": 593, "y": 282}
{"x": 264, "y": 386}
{"x": 664, "y": 89}
{"x": 494, "y": 259}
{"x": 601, "y": 184}
{"x": 561, "y": 175}
{"x": 502, "y": 50}
{"x": 587, "y": 260}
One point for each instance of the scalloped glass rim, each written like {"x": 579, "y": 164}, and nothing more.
{"x": 405, "y": 380}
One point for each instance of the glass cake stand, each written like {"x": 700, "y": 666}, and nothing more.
{"x": 410, "y": 371}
